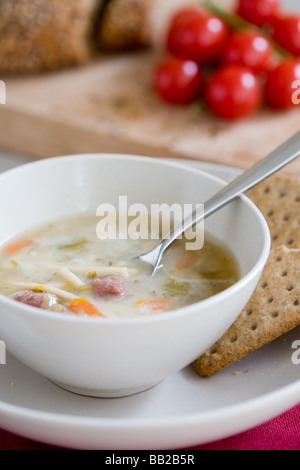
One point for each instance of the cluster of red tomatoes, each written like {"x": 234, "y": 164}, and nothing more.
{"x": 233, "y": 61}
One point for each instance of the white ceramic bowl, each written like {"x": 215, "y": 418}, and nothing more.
{"x": 117, "y": 357}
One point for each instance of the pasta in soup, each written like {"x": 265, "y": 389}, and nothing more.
{"x": 63, "y": 267}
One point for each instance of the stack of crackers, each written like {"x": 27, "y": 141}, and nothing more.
{"x": 274, "y": 308}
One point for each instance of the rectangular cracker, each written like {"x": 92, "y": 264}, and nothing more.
{"x": 278, "y": 198}
{"x": 274, "y": 309}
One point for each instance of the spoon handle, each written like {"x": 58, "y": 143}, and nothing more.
{"x": 276, "y": 160}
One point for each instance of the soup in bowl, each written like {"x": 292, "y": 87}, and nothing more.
{"x": 80, "y": 309}
{"x": 64, "y": 267}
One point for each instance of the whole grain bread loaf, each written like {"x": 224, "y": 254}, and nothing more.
{"x": 38, "y": 35}
{"x": 129, "y": 24}
{"x": 123, "y": 23}
{"x": 41, "y": 35}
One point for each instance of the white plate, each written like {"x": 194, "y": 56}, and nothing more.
{"x": 182, "y": 412}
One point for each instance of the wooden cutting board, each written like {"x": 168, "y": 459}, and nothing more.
{"x": 109, "y": 106}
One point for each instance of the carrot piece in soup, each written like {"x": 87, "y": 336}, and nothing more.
{"x": 17, "y": 246}
{"x": 186, "y": 260}
{"x": 161, "y": 304}
{"x": 83, "y": 305}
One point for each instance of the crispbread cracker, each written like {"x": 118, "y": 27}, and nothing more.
{"x": 274, "y": 309}
{"x": 278, "y": 198}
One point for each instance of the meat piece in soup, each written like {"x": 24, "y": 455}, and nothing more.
{"x": 63, "y": 267}
{"x": 36, "y": 299}
{"x": 110, "y": 286}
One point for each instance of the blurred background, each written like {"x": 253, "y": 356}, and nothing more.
{"x": 68, "y": 96}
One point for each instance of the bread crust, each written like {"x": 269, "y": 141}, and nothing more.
{"x": 123, "y": 24}
{"x": 39, "y": 35}
{"x": 129, "y": 24}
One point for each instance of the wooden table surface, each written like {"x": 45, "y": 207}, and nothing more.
{"x": 109, "y": 106}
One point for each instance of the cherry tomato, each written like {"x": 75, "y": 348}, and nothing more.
{"x": 279, "y": 87}
{"x": 233, "y": 92}
{"x": 186, "y": 13}
{"x": 199, "y": 36}
{"x": 257, "y": 11}
{"x": 251, "y": 50}
{"x": 178, "y": 80}
{"x": 287, "y": 33}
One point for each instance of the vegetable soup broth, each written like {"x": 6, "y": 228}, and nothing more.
{"x": 64, "y": 267}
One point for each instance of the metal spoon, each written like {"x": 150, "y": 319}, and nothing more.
{"x": 276, "y": 160}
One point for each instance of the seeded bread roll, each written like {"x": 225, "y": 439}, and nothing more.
{"x": 129, "y": 24}
{"x": 38, "y": 35}
{"x": 122, "y": 24}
